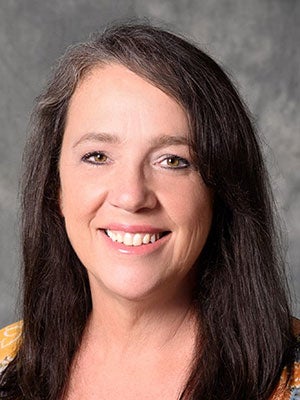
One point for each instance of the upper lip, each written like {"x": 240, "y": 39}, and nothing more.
{"x": 134, "y": 228}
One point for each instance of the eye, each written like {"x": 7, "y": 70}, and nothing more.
{"x": 174, "y": 162}
{"x": 96, "y": 157}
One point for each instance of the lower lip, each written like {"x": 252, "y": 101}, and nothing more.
{"x": 135, "y": 250}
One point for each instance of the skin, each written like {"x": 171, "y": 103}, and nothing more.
{"x": 125, "y": 160}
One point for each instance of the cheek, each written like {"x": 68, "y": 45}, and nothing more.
{"x": 69, "y": 198}
{"x": 192, "y": 207}
{"x": 193, "y": 217}
{"x": 79, "y": 196}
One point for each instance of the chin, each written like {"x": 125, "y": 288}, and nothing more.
{"x": 128, "y": 287}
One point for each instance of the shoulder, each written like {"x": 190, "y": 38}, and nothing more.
{"x": 9, "y": 340}
{"x": 291, "y": 390}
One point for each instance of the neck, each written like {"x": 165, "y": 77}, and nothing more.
{"x": 144, "y": 346}
{"x": 126, "y": 326}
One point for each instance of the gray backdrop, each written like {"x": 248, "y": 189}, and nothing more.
{"x": 257, "y": 41}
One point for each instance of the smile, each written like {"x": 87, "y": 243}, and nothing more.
{"x": 134, "y": 239}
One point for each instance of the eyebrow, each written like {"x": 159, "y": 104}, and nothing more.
{"x": 160, "y": 141}
{"x": 167, "y": 140}
{"x": 98, "y": 137}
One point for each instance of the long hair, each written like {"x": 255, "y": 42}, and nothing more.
{"x": 240, "y": 297}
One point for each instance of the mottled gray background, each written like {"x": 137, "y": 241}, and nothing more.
{"x": 257, "y": 41}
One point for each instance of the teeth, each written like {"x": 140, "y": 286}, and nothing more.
{"x": 137, "y": 239}
{"x": 132, "y": 239}
{"x": 146, "y": 238}
{"x": 119, "y": 237}
{"x": 127, "y": 239}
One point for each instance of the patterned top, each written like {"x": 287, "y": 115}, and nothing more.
{"x": 10, "y": 337}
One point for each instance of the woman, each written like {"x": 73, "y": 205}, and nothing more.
{"x": 151, "y": 261}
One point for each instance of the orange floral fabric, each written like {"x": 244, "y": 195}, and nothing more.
{"x": 10, "y": 337}
{"x": 9, "y": 340}
{"x": 292, "y": 391}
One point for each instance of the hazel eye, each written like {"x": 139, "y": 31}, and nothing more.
{"x": 175, "y": 162}
{"x": 96, "y": 157}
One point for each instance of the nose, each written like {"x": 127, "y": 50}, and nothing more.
{"x": 131, "y": 191}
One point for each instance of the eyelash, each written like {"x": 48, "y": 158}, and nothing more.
{"x": 182, "y": 162}
{"x": 88, "y": 158}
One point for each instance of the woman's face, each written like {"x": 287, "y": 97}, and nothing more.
{"x": 136, "y": 210}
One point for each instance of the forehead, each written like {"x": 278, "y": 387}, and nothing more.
{"x": 116, "y": 78}
{"x": 113, "y": 95}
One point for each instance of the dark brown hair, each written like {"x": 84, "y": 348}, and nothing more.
{"x": 240, "y": 299}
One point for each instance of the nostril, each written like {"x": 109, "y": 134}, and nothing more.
{"x": 132, "y": 198}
